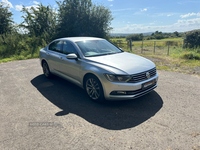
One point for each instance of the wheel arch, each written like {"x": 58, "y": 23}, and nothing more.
{"x": 92, "y": 74}
{"x": 101, "y": 98}
{"x": 42, "y": 61}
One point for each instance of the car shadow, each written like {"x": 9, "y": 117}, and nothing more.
{"x": 113, "y": 115}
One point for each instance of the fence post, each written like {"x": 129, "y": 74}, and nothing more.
{"x": 142, "y": 47}
{"x": 168, "y": 49}
{"x": 130, "y": 45}
{"x": 154, "y": 47}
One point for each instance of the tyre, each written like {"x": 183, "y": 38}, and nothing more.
{"x": 94, "y": 88}
{"x": 46, "y": 70}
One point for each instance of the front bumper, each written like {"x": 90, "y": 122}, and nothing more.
{"x": 133, "y": 90}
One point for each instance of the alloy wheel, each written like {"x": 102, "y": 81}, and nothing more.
{"x": 93, "y": 88}
{"x": 46, "y": 69}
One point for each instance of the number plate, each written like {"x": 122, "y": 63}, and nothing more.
{"x": 149, "y": 83}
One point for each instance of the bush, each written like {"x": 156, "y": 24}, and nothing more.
{"x": 9, "y": 42}
{"x": 191, "y": 55}
{"x": 135, "y": 37}
{"x": 16, "y": 45}
{"x": 158, "y": 36}
{"x": 192, "y": 39}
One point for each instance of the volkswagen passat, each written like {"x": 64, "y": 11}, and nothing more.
{"x": 102, "y": 69}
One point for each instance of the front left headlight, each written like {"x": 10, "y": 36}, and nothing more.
{"x": 117, "y": 78}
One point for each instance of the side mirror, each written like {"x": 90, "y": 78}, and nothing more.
{"x": 121, "y": 49}
{"x": 71, "y": 56}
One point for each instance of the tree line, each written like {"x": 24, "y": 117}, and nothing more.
{"x": 156, "y": 35}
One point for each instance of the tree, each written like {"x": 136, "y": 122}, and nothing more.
{"x": 40, "y": 21}
{"x": 5, "y": 19}
{"x": 192, "y": 39}
{"x": 82, "y": 18}
{"x": 158, "y": 36}
{"x": 176, "y": 33}
{"x": 135, "y": 37}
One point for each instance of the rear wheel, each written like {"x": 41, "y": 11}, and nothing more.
{"x": 94, "y": 88}
{"x": 46, "y": 70}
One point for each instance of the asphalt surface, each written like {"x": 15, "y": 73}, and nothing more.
{"x": 38, "y": 113}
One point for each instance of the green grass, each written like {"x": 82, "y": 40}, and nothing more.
{"x": 20, "y": 57}
{"x": 168, "y": 39}
{"x": 166, "y": 68}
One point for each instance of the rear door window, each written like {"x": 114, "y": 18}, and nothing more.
{"x": 56, "y": 46}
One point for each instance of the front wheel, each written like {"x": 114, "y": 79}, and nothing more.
{"x": 46, "y": 70}
{"x": 94, "y": 88}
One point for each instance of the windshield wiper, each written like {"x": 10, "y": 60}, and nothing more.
{"x": 103, "y": 54}
{"x": 113, "y": 53}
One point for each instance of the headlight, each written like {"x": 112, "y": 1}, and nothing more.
{"x": 117, "y": 78}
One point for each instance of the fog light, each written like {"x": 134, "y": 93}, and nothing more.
{"x": 118, "y": 93}
{"x": 121, "y": 92}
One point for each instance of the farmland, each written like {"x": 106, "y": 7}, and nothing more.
{"x": 159, "y": 47}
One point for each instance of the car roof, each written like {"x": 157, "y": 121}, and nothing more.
{"x": 76, "y": 39}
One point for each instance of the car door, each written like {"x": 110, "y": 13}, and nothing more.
{"x": 70, "y": 67}
{"x": 54, "y": 51}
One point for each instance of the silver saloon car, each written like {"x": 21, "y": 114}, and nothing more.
{"x": 102, "y": 69}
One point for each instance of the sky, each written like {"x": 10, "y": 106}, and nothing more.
{"x": 131, "y": 16}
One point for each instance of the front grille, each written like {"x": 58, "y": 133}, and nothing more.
{"x": 142, "y": 76}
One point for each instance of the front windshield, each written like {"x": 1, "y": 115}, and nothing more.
{"x": 92, "y": 48}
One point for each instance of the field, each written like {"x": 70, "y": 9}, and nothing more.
{"x": 167, "y": 54}
{"x": 158, "y": 47}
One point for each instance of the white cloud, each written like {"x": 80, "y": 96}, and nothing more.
{"x": 29, "y": 7}
{"x": 143, "y": 9}
{"x": 111, "y": 5}
{"x": 35, "y": 2}
{"x": 34, "y": 5}
{"x": 180, "y": 26}
{"x": 169, "y": 15}
{"x": 18, "y": 7}
{"x": 110, "y": 0}
{"x": 6, "y": 3}
{"x": 190, "y": 14}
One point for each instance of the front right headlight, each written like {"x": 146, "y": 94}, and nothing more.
{"x": 117, "y": 78}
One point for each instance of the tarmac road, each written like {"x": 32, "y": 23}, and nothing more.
{"x": 39, "y": 113}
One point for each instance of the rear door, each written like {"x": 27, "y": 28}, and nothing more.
{"x": 54, "y": 53}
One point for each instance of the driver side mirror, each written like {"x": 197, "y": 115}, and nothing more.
{"x": 71, "y": 56}
{"x": 121, "y": 49}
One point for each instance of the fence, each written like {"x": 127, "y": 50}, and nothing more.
{"x": 150, "y": 47}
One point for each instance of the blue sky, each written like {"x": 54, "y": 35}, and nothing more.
{"x": 131, "y": 16}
